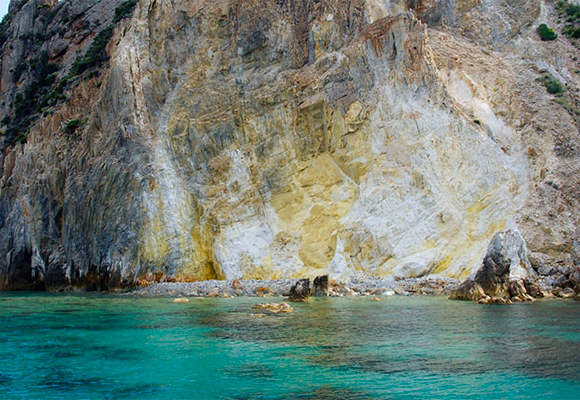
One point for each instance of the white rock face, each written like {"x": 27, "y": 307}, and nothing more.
{"x": 437, "y": 186}
{"x": 402, "y": 183}
{"x": 251, "y": 139}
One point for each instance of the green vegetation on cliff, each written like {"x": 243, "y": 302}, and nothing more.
{"x": 546, "y": 33}
{"x": 124, "y": 10}
{"x": 553, "y": 85}
{"x": 561, "y": 96}
{"x": 96, "y": 55}
{"x": 39, "y": 87}
{"x": 72, "y": 125}
{"x": 33, "y": 99}
{"x": 571, "y": 13}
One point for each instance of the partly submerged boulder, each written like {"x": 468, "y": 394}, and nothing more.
{"x": 320, "y": 286}
{"x": 300, "y": 291}
{"x": 506, "y": 273}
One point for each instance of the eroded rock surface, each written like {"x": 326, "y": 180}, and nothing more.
{"x": 506, "y": 273}
{"x": 300, "y": 291}
{"x": 320, "y": 286}
{"x": 254, "y": 139}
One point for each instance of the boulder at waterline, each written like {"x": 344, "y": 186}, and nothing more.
{"x": 320, "y": 286}
{"x": 506, "y": 273}
{"x": 300, "y": 291}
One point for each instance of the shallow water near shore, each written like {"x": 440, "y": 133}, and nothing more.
{"x": 109, "y": 347}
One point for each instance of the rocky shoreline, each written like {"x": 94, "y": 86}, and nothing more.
{"x": 506, "y": 275}
{"x": 384, "y": 286}
{"x": 379, "y": 286}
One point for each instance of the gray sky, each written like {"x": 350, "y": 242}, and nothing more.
{"x": 3, "y": 8}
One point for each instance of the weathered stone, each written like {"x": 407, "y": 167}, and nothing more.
{"x": 274, "y": 308}
{"x": 522, "y": 297}
{"x": 500, "y": 300}
{"x": 567, "y": 293}
{"x": 547, "y": 270}
{"x": 533, "y": 289}
{"x": 468, "y": 290}
{"x": 506, "y": 273}
{"x": 320, "y": 286}
{"x": 260, "y": 139}
{"x": 516, "y": 288}
{"x": 300, "y": 291}
{"x": 575, "y": 276}
{"x": 555, "y": 280}
{"x": 264, "y": 291}
{"x": 565, "y": 269}
{"x": 575, "y": 279}
{"x": 567, "y": 284}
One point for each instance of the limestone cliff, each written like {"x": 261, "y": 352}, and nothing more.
{"x": 281, "y": 138}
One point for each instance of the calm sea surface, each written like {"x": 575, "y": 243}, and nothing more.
{"x": 121, "y": 347}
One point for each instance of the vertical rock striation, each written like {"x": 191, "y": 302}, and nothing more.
{"x": 269, "y": 139}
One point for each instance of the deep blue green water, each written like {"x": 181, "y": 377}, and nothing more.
{"x": 119, "y": 347}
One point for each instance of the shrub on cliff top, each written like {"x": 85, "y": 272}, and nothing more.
{"x": 546, "y": 33}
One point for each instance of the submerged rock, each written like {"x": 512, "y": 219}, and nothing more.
{"x": 506, "y": 274}
{"x": 181, "y": 300}
{"x": 274, "y": 308}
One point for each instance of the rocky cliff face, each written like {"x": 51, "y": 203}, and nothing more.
{"x": 273, "y": 139}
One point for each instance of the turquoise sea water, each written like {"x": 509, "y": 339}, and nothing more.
{"x": 122, "y": 347}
